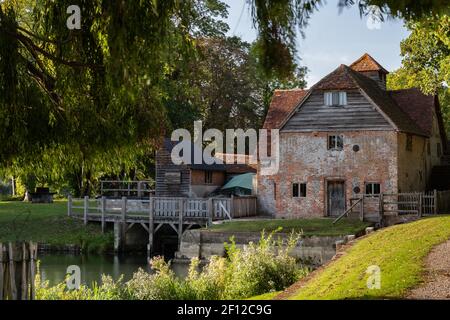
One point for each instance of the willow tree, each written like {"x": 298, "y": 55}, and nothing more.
{"x": 77, "y": 96}
{"x": 78, "y": 93}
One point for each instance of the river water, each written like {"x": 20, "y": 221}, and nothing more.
{"x": 53, "y": 266}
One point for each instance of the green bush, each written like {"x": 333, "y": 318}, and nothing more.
{"x": 252, "y": 270}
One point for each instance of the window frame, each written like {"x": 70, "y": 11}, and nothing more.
{"x": 208, "y": 177}
{"x": 336, "y": 146}
{"x": 299, "y": 189}
{"x": 372, "y": 184}
{"x": 329, "y": 97}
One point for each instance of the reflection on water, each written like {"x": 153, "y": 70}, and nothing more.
{"x": 53, "y": 266}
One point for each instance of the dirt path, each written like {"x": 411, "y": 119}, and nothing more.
{"x": 436, "y": 284}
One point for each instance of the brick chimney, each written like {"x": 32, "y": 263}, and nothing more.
{"x": 369, "y": 67}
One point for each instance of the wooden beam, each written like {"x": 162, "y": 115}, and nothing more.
{"x": 69, "y": 205}
{"x": 103, "y": 208}
{"x": 86, "y": 209}
{"x": 151, "y": 227}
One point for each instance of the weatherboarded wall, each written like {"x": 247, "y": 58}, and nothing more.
{"x": 359, "y": 113}
{"x": 305, "y": 158}
{"x": 171, "y": 180}
{"x": 200, "y": 188}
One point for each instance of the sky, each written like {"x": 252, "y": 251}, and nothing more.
{"x": 332, "y": 38}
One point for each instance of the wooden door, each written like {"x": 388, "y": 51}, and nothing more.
{"x": 336, "y": 198}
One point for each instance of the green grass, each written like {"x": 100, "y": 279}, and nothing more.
{"x": 314, "y": 226}
{"x": 265, "y": 296}
{"x": 48, "y": 223}
{"x": 399, "y": 251}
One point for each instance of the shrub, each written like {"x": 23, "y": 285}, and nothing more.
{"x": 245, "y": 272}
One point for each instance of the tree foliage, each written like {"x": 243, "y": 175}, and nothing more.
{"x": 78, "y": 99}
{"x": 426, "y": 60}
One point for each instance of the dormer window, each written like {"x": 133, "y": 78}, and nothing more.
{"x": 335, "y": 98}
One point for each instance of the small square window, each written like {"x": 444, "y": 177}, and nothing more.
{"x": 208, "y": 177}
{"x": 295, "y": 190}
{"x": 409, "y": 142}
{"x": 335, "y": 98}
{"x": 335, "y": 142}
{"x": 373, "y": 188}
{"x": 299, "y": 190}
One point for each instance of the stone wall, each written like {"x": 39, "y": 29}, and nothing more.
{"x": 204, "y": 244}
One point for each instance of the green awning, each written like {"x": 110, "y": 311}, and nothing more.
{"x": 244, "y": 181}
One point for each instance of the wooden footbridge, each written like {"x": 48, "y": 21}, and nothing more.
{"x": 180, "y": 214}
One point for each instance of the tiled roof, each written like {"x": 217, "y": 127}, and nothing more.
{"x": 283, "y": 102}
{"x": 168, "y": 145}
{"x": 339, "y": 79}
{"x": 408, "y": 110}
{"x": 386, "y": 104}
{"x": 418, "y": 106}
{"x": 367, "y": 63}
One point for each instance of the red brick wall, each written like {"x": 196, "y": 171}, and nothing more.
{"x": 304, "y": 157}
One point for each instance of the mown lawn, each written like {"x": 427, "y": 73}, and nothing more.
{"x": 309, "y": 227}
{"x": 48, "y": 223}
{"x": 399, "y": 251}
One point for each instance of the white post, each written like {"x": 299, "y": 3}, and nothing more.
{"x": 13, "y": 186}
{"x": 69, "y": 205}
{"x": 86, "y": 209}
{"x": 103, "y": 208}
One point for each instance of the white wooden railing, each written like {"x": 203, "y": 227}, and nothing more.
{"x": 207, "y": 209}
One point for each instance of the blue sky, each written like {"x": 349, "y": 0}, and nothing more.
{"x": 332, "y": 38}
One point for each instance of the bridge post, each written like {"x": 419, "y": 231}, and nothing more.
{"x": 210, "y": 211}
{"x": 151, "y": 224}
{"x": 180, "y": 221}
{"x": 102, "y": 208}
{"x": 69, "y": 205}
{"x": 86, "y": 209}
{"x": 123, "y": 224}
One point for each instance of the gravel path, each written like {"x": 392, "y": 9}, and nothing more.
{"x": 436, "y": 283}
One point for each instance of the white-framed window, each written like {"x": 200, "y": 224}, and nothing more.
{"x": 335, "y": 142}
{"x": 299, "y": 190}
{"x": 335, "y": 98}
{"x": 373, "y": 188}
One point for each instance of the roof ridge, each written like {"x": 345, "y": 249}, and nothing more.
{"x": 372, "y": 59}
{"x": 293, "y": 89}
{"x": 390, "y": 113}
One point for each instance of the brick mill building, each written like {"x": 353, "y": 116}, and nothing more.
{"x": 348, "y": 135}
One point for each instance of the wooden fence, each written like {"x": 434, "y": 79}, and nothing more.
{"x": 443, "y": 201}
{"x": 117, "y": 188}
{"x": 369, "y": 206}
{"x": 199, "y": 209}
{"x": 17, "y": 271}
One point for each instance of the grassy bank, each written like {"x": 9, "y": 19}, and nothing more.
{"x": 314, "y": 226}
{"x": 399, "y": 251}
{"x": 48, "y": 223}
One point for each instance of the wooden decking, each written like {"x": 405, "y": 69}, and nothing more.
{"x": 179, "y": 213}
